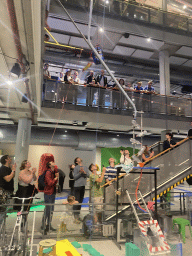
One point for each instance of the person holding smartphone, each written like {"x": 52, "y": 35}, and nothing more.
{"x": 81, "y": 173}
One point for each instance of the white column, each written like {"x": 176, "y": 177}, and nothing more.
{"x": 164, "y": 72}
{"x": 22, "y": 145}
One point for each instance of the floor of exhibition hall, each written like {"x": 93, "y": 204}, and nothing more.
{"x": 105, "y": 246}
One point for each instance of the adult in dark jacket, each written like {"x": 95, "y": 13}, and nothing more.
{"x": 81, "y": 173}
{"x": 71, "y": 179}
{"x": 169, "y": 142}
{"x": 61, "y": 180}
{"x": 101, "y": 80}
{"x": 7, "y": 174}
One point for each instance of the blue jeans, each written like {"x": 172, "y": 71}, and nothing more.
{"x": 48, "y": 211}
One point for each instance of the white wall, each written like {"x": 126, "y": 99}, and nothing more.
{"x": 64, "y": 156}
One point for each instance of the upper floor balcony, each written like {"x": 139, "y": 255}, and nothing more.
{"x": 112, "y": 101}
{"x": 134, "y": 11}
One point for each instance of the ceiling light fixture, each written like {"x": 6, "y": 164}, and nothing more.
{"x": 9, "y": 82}
{"x": 65, "y": 130}
{"x": 148, "y": 40}
{"x": 184, "y": 7}
{"x": 101, "y": 30}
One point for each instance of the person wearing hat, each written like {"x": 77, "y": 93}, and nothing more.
{"x": 138, "y": 99}
{"x": 149, "y": 87}
{"x": 139, "y": 87}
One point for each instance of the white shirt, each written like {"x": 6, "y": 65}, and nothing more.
{"x": 76, "y": 80}
{"x": 102, "y": 81}
{"x": 125, "y": 160}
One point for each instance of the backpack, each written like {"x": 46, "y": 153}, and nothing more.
{"x": 41, "y": 181}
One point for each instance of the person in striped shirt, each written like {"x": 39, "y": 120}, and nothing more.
{"x": 111, "y": 171}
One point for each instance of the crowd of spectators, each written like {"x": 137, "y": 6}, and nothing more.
{"x": 99, "y": 80}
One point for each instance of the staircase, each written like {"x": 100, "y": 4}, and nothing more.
{"x": 175, "y": 167}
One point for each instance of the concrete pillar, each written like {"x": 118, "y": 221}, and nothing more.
{"x": 22, "y": 145}
{"x": 164, "y": 72}
{"x": 164, "y": 5}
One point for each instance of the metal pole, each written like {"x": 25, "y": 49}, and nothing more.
{"x": 133, "y": 207}
{"x": 96, "y": 53}
{"x": 32, "y": 235}
{"x": 155, "y": 179}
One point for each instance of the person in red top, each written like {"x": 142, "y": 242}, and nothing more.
{"x": 51, "y": 179}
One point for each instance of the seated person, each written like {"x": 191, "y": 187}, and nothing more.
{"x": 147, "y": 154}
{"x": 69, "y": 209}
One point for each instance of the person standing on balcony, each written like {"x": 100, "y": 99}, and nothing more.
{"x": 149, "y": 87}
{"x": 101, "y": 80}
{"x": 75, "y": 78}
{"x": 67, "y": 77}
{"x": 90, "y": 78}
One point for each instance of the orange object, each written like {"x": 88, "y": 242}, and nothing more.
{"x": 68, "y": 253}
{"x": 87, "y": 66}
{"x": 141, "y": 164}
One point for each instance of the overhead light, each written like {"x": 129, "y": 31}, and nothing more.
{"x": 1, "y": 135}
{"x": 9, "y": 82}
{"x": 184, "y": 7}
{"x": 16, "y": 70}
{"x": 107, "y": 2}
{"x": 117, "y": 135}
{"x": 101, "y": 30}
{"x": 65, "y": 130}
{"x": 148, "y": 39}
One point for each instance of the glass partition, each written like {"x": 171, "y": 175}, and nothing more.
{"x": 136, "y": 11}
{"x": 95, "y": 96}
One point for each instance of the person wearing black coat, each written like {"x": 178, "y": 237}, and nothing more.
{"x": 71, "y": 179}
{"x": 61, "y": 180}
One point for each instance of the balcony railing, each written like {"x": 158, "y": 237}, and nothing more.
{"x": 112, "y": 99}
{"x": 137, "y": 12}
